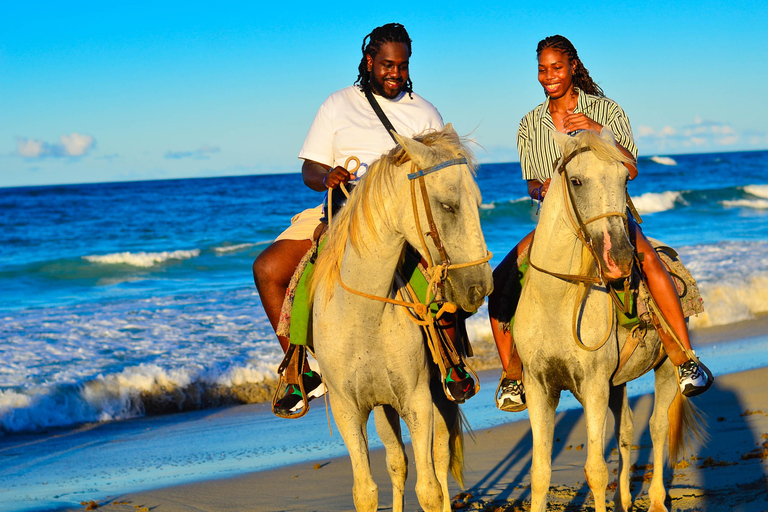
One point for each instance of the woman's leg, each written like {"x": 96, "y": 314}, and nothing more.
{"x": 664, "y": 292}
{"x": 511, "y": 393}
{"x": 510, "y": 360}
{"x": 695, "y": 378}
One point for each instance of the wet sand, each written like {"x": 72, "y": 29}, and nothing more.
{"x": 728, "y": 473}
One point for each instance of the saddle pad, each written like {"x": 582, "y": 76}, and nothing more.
{"x": 296, "y": 312}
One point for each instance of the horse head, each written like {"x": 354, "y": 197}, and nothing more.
{"x": 443, "y": 221}
{"x": 593, "y": 180}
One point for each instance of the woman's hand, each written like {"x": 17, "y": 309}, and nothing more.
{"x": 537, "y": 189}
{"x": 573, "y": 122}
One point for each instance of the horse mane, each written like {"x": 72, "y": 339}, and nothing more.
{"x": 355, "y": 223}
{"x": 604, "y": 149}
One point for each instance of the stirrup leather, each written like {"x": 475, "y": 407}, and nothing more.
{"x": 289, "y": 373}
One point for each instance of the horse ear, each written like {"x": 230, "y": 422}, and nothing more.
{"x": 560, "y": 138}
{"x": 423, "y": 156}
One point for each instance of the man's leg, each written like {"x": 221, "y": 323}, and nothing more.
{"x": 694, "y": 378}
{"x": 272, "y": 272}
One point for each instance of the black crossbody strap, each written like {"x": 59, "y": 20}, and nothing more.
{"x": 380, "y": 113}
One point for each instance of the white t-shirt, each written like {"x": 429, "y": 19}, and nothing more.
{"x": 346, "y": 125}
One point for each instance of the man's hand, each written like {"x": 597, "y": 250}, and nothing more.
{"x": 337, "y": 176}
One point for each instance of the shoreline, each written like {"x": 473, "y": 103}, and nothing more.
{"x": 727, "y": 473}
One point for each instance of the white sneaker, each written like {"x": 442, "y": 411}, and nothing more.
{"x": 694, "y": 378}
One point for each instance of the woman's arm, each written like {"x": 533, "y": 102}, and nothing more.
{"x": 573, "y": 122}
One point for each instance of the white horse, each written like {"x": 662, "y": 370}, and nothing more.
{"x": 586, "y": 205}
{"x": 371, "y": 354}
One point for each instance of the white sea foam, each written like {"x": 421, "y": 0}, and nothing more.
{"x": 663, "y": 160}
{"x": 487, "y": 206}
{"x": 757, "y": 190}
{"x": 732, "y": 278}
{"x": 142, "y": 259}
{"x": 653, "y": 202}
{"x": 232, "y": 248}
{"x": 757, "y": 204}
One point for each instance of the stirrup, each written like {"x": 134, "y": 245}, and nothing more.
{"x": 289, "y": 372}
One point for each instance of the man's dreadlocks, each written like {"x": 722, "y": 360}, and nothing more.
{"x": 389, "y": 33}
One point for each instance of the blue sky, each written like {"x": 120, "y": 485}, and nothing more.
{"x": 96, "y": 91}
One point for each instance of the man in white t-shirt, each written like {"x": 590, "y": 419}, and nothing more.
{"x": 345, "y": 125}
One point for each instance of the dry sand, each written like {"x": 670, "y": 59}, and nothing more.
{"x": 727, "y": 474}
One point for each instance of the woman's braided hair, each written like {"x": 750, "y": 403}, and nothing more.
{"x": 389, "y": 33}
{"x": 581, "y": 78}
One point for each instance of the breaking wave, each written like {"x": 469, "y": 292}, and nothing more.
{"x": 142, "y": 259}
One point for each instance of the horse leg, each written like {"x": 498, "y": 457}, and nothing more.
{"x": 624, "y": 432}
{"x": 541, "y": 410}
{"x": 665, "y": 383}
{"x": 352, "y": 423}
{"x": 388, "y": 427}
{"x": 595, "y": 401}
{"x": 446, "y": 446}
{"x": 420, "y": 421}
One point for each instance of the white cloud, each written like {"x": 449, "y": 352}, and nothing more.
{"x": 30, "y": 148}
{"x": 702, "y": 135}
{"x": 72, "y": 145}
{"x": 76, "y": 144}
{"x": 644, "y": 131}
{"x": 198, "y": 154}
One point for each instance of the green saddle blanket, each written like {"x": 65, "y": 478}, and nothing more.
{"x": 637, "y": 309}
{"x": 296, "y": 314}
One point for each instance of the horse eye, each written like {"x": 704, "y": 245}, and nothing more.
{"x": 448, "y": 208}
{"x": 576, "y": 182}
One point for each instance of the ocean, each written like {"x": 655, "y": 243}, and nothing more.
{"x": 124, "y": 303}
{"x": 119, "y": 299}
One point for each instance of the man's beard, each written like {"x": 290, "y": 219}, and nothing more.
{"x": 378, "y": 87}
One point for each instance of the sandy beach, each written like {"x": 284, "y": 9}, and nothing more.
{"x": 727, "y": 473}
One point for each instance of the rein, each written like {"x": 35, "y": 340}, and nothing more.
{"x": 437, "y": 273}
{"x": 580, "y": 227}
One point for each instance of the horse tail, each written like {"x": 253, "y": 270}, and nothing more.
{"x": 686, "y": 425}
{"x": 456, "y": 443}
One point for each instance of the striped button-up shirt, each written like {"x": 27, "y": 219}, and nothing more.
{"x": 538, "y": 149}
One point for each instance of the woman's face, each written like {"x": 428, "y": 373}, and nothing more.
{"x": 555, "y": 72}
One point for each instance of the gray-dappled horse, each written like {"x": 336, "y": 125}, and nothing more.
{"x": 566, "y": 330}
{"x": 371, "y": 354}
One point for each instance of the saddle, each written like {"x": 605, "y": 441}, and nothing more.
{"x": 448, "y": 342}
{"x": 636, "y": 314}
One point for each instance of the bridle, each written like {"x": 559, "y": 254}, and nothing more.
{"x": 580, "y": 228}
{"x": 437, "y": 273}
{"x": 579, "y": 225}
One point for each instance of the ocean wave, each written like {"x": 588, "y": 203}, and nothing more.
{"x": 757, "y": 190}
{"x": 135, "y": 391}
{"x": 653, "y": 202}
{"x": 732, "y": 279}
{"x": 232, "y": 248}
{"x": 663, "y": 160}
{"x": 757, "y": 204}
{"x": 142, "y": 259}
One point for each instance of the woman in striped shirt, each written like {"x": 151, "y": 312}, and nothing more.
{"x": 575, "y": 102}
